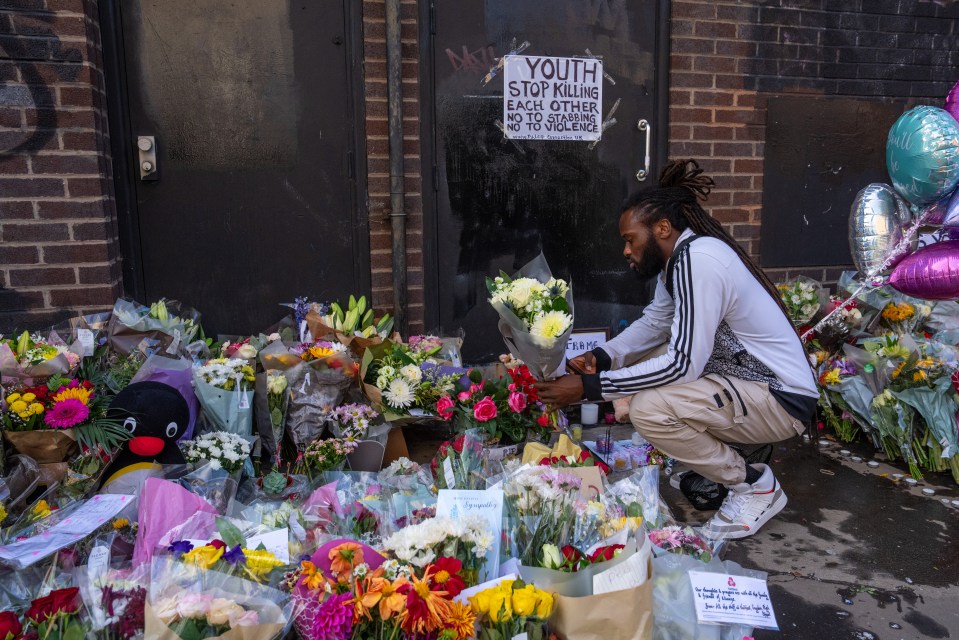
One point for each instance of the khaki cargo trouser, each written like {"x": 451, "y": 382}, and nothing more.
{"x": 692, "y": 422}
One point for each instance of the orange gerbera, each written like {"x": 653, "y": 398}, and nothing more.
{"x": 318, "y": 353}
{"x": 425, "y": 610}
{"x": 344, "y": 557}
{"x": 77, "y": 393}
{"x": 388, "y": 597}
{"x": 460, "y": 620}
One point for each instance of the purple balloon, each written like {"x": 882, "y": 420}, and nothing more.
{"x": 931, "y": 273}
{"x": 952, "y": 101}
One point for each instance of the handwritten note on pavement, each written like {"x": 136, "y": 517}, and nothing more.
{"x": 724, "y": 599}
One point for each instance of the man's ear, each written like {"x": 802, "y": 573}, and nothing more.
{"x": 662, "y": 229}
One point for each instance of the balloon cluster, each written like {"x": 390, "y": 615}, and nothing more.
{"x": 922, "y": 158}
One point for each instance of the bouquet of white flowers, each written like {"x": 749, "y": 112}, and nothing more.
{"x": 467, "y": 539}
{"x": 222, "y": 449}
{"x": 802, "y": 297}
{"x": 536, "y": 315}
{"x": 225, "y": 390}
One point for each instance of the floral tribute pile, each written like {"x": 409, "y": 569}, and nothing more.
{"x": 887, "y": 372}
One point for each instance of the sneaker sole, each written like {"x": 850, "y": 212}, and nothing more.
{"x": 770, "y": 513}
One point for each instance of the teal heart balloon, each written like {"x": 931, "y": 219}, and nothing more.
{"x": 922, "y": 154}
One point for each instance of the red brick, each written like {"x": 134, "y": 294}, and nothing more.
{"x": 39, "y": 276}
{"x": 74, "y": 119}
{"x": 81, "y": 297}
{"x": 693, "y": 10}
{"x": 723, "y": 81}
{"x": 13, "y": 165}
{"x": 692, "y": 149}
{"x": 740, "y": 116}
{"x": 47, "y": 25}
{"x": 11, "y": 117}
{"x": 712, "y": 98}
{"x": 726, "y": 216}
{"x": 91, "y": 231}
{"x": 80, "y": 187}
{"x": 692, "y": 45}
{"x": 715, "y": 64}
{"x": 76, "y": 253}
{"x": 79, "y": 141}
{"x": 37, "y": 187}
{"x": 712, "y": 133}
{"x": 57, "y": 209}
{"x": 716, "y": 30}
{"x": 11, "y": 300}
{"x": 65, "y": 164}
{"x": 16, "y": 210}
{"x": 695, "y": 80}
{"x": 736, "y": 48}
{"x": 680, "y": 132}
{"x": 34, "y": 232}
{"x": 100, "y": 274}
{"x": 680, "y": 63}
{"x": 76, "y": 97}
{"x": 18, "y": 255}
{"x": 750, "y": 133}
{"x": 748, "y": 166}
{"x": 735, "y": 149}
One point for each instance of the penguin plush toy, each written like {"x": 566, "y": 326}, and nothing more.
{"x": 156, "y": 415}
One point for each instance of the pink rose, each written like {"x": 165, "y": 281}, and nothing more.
{"x": 464, "y": 396}
{"x": 485, "y": 410}
{"x": 517, "y": 402}
{"x": 444, "y": 407}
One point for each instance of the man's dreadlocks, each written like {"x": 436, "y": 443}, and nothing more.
{"x": 681, "y": 186}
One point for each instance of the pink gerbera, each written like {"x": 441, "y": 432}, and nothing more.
{"x": 67, "y": 413}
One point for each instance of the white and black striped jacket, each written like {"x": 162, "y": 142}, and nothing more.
{"x": 719, "y": 319}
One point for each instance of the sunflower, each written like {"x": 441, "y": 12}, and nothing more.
{"x": 77, "y": 393}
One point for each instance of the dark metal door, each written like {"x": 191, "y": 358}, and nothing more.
{"x": 499, "y": 203}
{"x": 251, "y": 107}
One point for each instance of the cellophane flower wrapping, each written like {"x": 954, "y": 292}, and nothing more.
{"x": 803, "y": 297}
{"x": 315, "y": 386}
{"x": 163, "y": 506}
{"x": 32, "y": 359}
{"x": 458, "y": 463}
{"x": 166, "y": 325}
{"x": 114, "y": 599}
{"x": 225, "y": 389}
{"x": 542, "y": 355}
{"x": 184, "y": 598}
{"x": 354, "y": 505}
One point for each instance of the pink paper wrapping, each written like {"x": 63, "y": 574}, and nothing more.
{"x": 163, "y": 505}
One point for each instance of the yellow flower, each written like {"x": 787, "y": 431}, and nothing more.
{"x": 79, "y": 393}
{"x": 919, "y": 376}
{"x": 203, "y": 557}
{"x": 28, "y": 397}
{"x": 313, "y": 577}
{"x": 121, "y": 523}
{"x": 831, "y": 377}
{"x": 524, "y": 601}
{"x": 259, "y": 562}
{"x": 25, "y": 414}
{"x": 898, "y": 370}
{"x": 19, "y": 406}
{"x": 37, "y": 408}
{"x": 13, "y": 397}
{"x": 41, "y": 509}
{"x": 481, "y": 601}
{"x": 3, "y": 513}
{"x": 319, "y": 352}
{"x": 501, "y": 606}
{"x": 544, "y": 607}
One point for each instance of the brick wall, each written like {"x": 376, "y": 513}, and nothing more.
{"x": 728, "y": 57}
{"x": 58, "y": 239}
{"x": 378, "y": 163}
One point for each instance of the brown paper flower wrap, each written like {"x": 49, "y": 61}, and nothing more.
{"x": 46, "y": 446}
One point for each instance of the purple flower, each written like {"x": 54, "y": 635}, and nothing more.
{"x": 235, "y": 555}
{"x": 180, "y": 547}
{"x": 334, "y": 620}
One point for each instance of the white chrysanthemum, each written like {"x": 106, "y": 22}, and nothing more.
{"x": 548, "y": 327}
{"x": 412, "y": 373}
{"x": 399, "y": 395}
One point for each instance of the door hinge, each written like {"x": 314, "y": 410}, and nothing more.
{"x": 433, "y": 18}
{"x": 350, "y": 169}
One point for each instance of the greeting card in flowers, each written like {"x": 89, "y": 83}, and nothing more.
{"x": 461, "y": 504}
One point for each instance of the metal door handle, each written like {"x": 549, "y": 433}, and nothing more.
{"x": 643, "y": 173}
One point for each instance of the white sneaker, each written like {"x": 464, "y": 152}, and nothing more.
{"x": 747, "y": 507}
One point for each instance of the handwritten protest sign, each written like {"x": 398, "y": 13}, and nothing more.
{"x": 547, "y": 98}
{"x": 724, "y": 599}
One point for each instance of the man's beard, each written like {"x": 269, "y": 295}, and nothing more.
{"x": 652, "y": 262}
